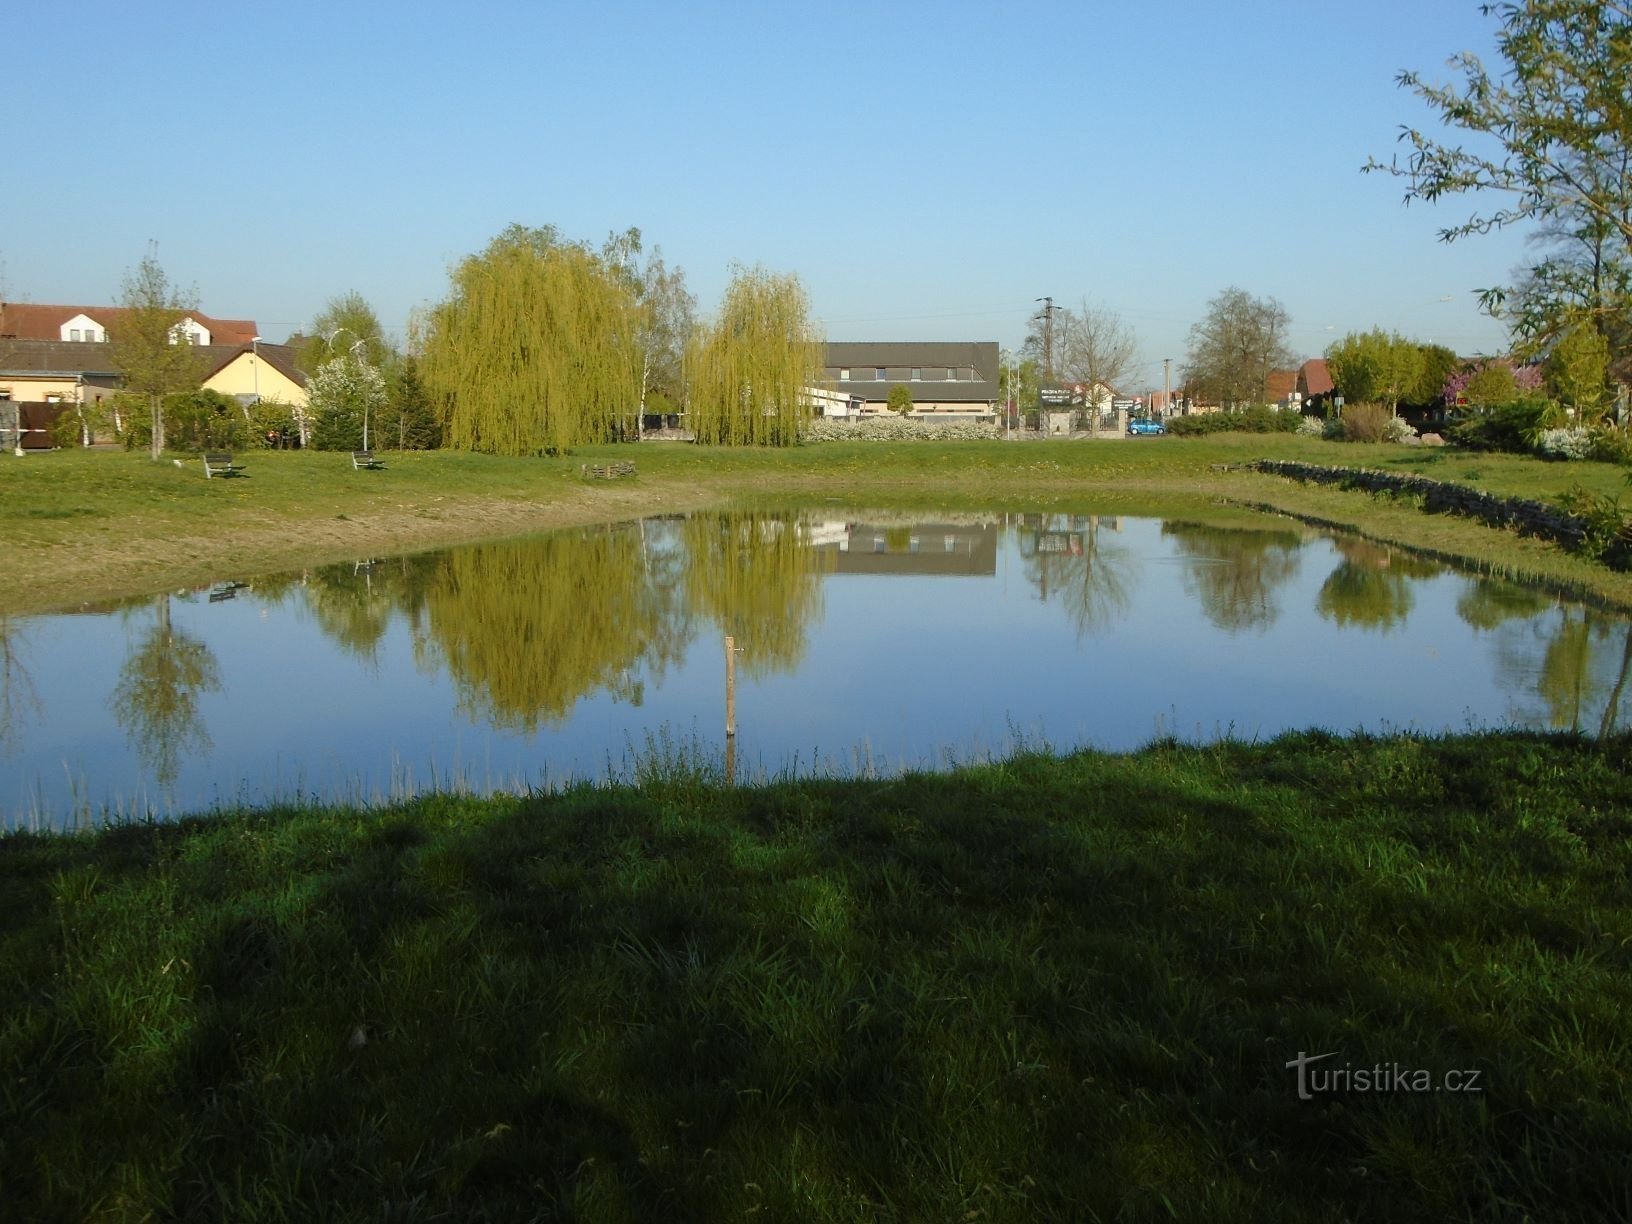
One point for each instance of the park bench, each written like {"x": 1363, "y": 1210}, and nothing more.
{"x": 365, "y": 459}
{"x": 220, "y": 465}
{"x": 607, "y": 471}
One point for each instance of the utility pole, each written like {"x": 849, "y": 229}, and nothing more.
{"x": 1047, "y": 316}
{"x": 1167, "y": 387}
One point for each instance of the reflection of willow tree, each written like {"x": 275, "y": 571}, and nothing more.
{"x": 1613, "y": 705}
{"x": 1577, "y": 656}
{"x": 527, "y": 627}
{"x": 1235, "y": 572}
{"x": 18, "y": 700}
{"x": 1488, "y": 603}
{"x": 156, "y": 699}
{"x": 1371, "y": 586}
{"x": 1093, "y": 585}
{"x": 354, "y": 603}
{"x": 754, "y": 578}
{"x": 1566, "y": 681}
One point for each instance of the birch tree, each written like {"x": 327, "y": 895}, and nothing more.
{"x": 153, "y": 361}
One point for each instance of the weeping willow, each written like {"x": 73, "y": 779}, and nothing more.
{"x": 536, "y": 350}
{"x": 749, "y": 373}
{"x": 528, "y": 627}
{"x": 756, "y": 579}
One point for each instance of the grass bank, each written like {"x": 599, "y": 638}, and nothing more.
{"x": 82, "y": 525}
{"x": 1047, "y": 988}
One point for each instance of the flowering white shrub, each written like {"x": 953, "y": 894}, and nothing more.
{"x": 1574, "y": 442}
{"x": 340, "y": 396}
{"x": 894, "y": 428}
{"x": 1397, "y": 430}
{"x": 1311, "y": 427}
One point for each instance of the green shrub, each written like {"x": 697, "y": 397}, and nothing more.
{"x": 269, "y": 421}
{"x": 1251, "y": 420}
{"x": 1611, "y": 445}
{"x": 1512, "y": 428}
{"x": 67, "y": 431}
{"x": 1609, "y": 532}
{"x": 901, "y": 399}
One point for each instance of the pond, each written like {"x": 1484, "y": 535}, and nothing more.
{"x": 864, "y": 643}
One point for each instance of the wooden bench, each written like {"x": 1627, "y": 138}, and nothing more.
{"x": 220, "y": 465}
{"x": 607, "y": 471}
{"x": 365, "y": 459}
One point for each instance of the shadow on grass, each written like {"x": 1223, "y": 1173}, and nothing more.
{"x": 1045, "y": 988}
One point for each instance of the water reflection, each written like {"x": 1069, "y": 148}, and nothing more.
{"x": 906, "y": 634}
{"x": 1068, "y": 561}
{"x": 19, "y": 699}
{"x": 751, "y": 575}
{"x": 156, "y": 699}
{"x": 1372, "y": 587}
{"x": 1235, "y": 572}
{"x": 1489, "y": 603}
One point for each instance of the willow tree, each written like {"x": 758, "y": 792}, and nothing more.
{"x": 535, "y": 350}
{"x": 750, "y": 372}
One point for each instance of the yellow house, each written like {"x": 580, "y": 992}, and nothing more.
{"x": 258, "y": 371}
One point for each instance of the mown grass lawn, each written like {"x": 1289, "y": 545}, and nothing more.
{"x": 1046, "y": 988}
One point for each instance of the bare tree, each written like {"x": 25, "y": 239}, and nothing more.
{"x": 1234, "y": 349}
{"x": 1095, "y": 348}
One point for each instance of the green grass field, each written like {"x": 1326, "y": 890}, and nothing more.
{"x": 1048, "y": 988}
{"x": 87, "y": 525}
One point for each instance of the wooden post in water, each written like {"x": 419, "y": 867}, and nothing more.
{"x": 730, "y": 686}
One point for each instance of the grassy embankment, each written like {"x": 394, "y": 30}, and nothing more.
{"x": 83, "y": 526}
{"x": 1058, "y": 989}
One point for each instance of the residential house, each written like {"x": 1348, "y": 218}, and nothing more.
{"x": 948, "y": 379}
{"x": 46, "y": 378}
{"x": 1315, "y": 385}
{"x": 255, "y": 371}
{"x": 53, "y": 357}
{"x": 1281, "y": 390}
{"x": 91, "y": 324}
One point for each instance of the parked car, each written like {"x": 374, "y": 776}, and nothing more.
{"x": 1144, "y": 425}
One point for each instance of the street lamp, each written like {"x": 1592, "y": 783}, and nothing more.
{"x": 359, "y": 343}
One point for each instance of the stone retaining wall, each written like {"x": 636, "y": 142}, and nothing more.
{"x": 1530, "y": 518}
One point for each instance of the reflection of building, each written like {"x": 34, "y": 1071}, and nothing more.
{"x": 1063, "y": 534}
{"x": 952, "y": 549}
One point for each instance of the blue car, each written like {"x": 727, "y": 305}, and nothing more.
{"x": 1144, "y": 425}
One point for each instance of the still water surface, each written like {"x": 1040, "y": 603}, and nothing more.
{"x": 867, "y": 643}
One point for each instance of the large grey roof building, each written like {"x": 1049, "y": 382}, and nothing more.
{"x": 949, "y": 376}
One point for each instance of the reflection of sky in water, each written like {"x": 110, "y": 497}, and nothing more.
{"x": 921, "y": 643}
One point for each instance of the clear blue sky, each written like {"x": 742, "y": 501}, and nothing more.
{"x": 926, "y": 169}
